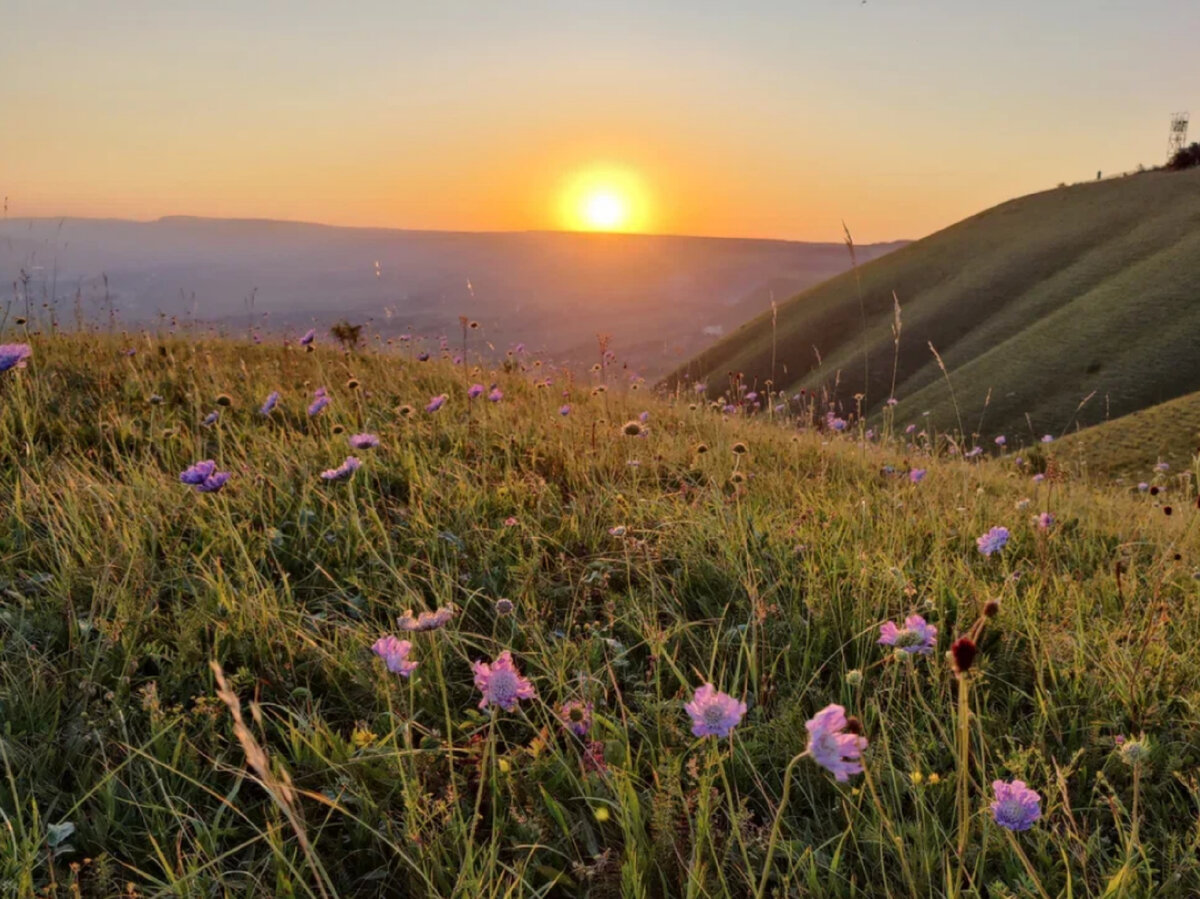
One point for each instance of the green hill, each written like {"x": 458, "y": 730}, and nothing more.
{"x": 191, "y": 702}
{"x": 1039, "y": 302}
{"x": 1132, "y": 445}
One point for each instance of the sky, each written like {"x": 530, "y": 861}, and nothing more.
{"x": 749, "y": 119}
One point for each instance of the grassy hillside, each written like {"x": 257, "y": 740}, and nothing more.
{"x": 1132, "y": 445}
{"x": 638, "y": 567}
{"x": 1035, "y": 304}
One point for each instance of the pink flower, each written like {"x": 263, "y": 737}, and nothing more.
{"x": 426, "y": 621}
{"x": 915, "y": 637}
{"x": 576, "y": 717}
{"x": 714, "y": 714}
{"x": 475, "y": 391}
{"x": 1045, "y": 521}
{"x": 395, "y": 653}
{"x": 917, "y": 475}
{"x": 500, "y": 683}
{"x": 832, "y": 746}
{"x": 510, "y": 522}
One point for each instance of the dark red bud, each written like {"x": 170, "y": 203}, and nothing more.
{"x": 963, "y": 652}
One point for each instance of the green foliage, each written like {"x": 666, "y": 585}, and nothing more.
{"x": 119, "y": 586}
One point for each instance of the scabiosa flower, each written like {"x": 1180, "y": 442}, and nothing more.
{"x": 1047, "y": 438}
{"x": 1045, "y": 521}
{"x": 962, "y": 654}
{"x": 204, "y": 476}
{"x": 1134, "y": 752}
{"x": 837, "y": 424}
{"x": 632, "y": 429}
{"x": 576, "y": 717}
{"x": 395, "y": 654}
{"x": 910, "y": 429}
{"x": 13, "y": 355}
{"x": 426, "y": 621}
{"x": 1143, "y": 487}
{"x": 1162, "y": 466}
{"x": 833, "y": 745}
{"x": 714, "y": 714}
{"x": 504, "y": 607}
{"x": 501, "y": 683}
{"x": 993, "y": 541}
{"x": 309, "y": 337}
{"x": 436, "y": 403}
{"x": 343, "y": 471}
{"x": 475, "y": 391}
{"x": 1016, "y": 806}
{"x": 917, "y": 475}
{"x": 318, "y": 404}
{"x": 511, "y": 521}
{"x": 917, "y": 636}
{"x": 210, "y": 419}
{"x": 564, "y": 409}
{"x": 973, "y": 452}
{"x": 271, "y": 402}
{"x": 617, "y": 531}
{"x": 1038, "y": 478}
{"x": 363, "y": 441}
{"x": 496, "y": 395}
{"x": 1001, "y": 440}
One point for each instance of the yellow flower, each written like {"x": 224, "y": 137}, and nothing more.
{"x": 916, "y": 777}
{"x": 362, "y": 738}
{"x": 504, "y": 766}
{"x": 601, "y": 814}
{"x": 934, "y": 778}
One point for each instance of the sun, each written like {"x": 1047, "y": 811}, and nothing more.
{"x": 604, "y": 199}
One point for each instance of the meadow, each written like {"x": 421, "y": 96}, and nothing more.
{"x": 198, "y": 695}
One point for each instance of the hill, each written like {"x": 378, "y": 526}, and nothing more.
{"x": 660, "y": 298}
{"x": 199, "y": 698}
{"x": 1034, "y": 305}
{"x": 1131, "y": 446}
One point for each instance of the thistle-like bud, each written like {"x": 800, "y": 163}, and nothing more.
{"x": 991, "y": 608}
{"x": 962, "y": 654}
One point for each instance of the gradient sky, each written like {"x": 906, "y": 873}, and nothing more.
{"x": 768, "y": 119}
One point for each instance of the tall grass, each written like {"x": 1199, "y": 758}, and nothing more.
{"x": 190, "y": 706}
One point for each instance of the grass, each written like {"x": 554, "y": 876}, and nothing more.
{"x": 190, "y": 705}
{"x": 1034, "y": 305}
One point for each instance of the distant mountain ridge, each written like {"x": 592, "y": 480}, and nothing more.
{"x": 1034, "y": 306}
{"x": 554, "y": 291}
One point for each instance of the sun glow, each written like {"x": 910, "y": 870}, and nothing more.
{"x": 604, "y": 200}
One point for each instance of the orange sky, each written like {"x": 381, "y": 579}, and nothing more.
{"x": 781, "y": 121}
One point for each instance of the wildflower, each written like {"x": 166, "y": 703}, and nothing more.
{"x": 423, "y": 357}
{"x": 500, "y": 683}
{"x": 210, "y": 419}
{"x": 318, "y": 404}
{"x": 1016, "y": 806}
{"x": 426, "y": 621}
{"x": 204, "y": 476}
{"x": 271, "y": 402}
{"x": 395, "y": 654}
{"x": 917, "y": 475}
{"x": 739, "y": 449}
{"x": 1133, "y": 752}
{"x": 601, "y": 815}
{"x": 475, "y": 391}
{"x": 1023, "y": 503}
{"x": 338, "y": 430}
{"x": 352, "y": 384}
{"x": 645, "y": 416}
{"x": 1046, "y": 438}
{"x": 632, "y": 429}
{"x": 1143, "y": 487}
{"x": 833, "y": 745}
{"x": 343, "y": 471}
{"x": 910, "y": 429}
{"x": 714, "y": 714}
{"x": 1162, "y": 466}
{"x": 225, "y": 400}
{"x": 1044, "y": 521}
{"x": 504, "y": 607}
{"x": 576, "y": 717}
{"x": 962, "y": 654}
{"x": 917, "y": 778}
{"x": 13, "y": 355}
{"x": 362, "y": 737}
{"x": 854, "y": 677}
{"x": 973, "y": 452}
{"x": 405, "y": 411}
{"x": 309, "y": 337}
{"x": 363, "y": 441}
{"x": 156, "y": 400}
{"x": 916, "y": 636}
{"x": 496, "y": 395}
{"x": 737, "y": 478}
{"x": 991, "y": 608}
{"x": 701, "y": 449}
{"x": 436, "y": 403}
{"x": 1001, "y": 440}
{"x": 934, "y": 778}
{"x": 837, "y": 424}
{"x": 1038, "y": 478}
{"x": 510, "y": 522}
{"x": 993, "y": 541}
{"x": 564, "y": 409}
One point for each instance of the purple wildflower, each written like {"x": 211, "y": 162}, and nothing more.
{"x": 910, "y": 429}
{"x": 318, "y": 404}
{"x": 576, "y": 717}
{"x": 426, "y": 621}
{"x": 917, "y": 475}
{"x": 1001, "y": 440}
{"x": 973, "y": 452}
{"x": 210, "y": 419}
{"x": 343, "y": 471}
{"x": 714, "y": 714}
{"x": 1038, "y": 478}
{"x": 13, "y": 355}
{"x": 501, "y": 683}
{"x": 644, "y": 417}
{"x": 270, "y": 404}
{"x": 309, "y": 337}
{"x": 1143, "y": 486}
{"x": 993, "y": 541}
{"x": 436, "y": 403}
{"x": 917, "y": 636}
{"x": 1016, "y": 806}
{"x": 496, "y": 395}
{"x": 363, "y": 441}
{"x": 204, "y": 476}
{"x": 564, "y": 409}
{"x": 395, "y": 653}
{"x": 1045, "y": 521}
{"x": 831, "y": 746}
{"x": 1162, "y": 466}
{"x": 1046, "y": 438}
{"x": 475, "y": 391}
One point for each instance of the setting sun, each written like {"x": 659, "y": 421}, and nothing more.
{"x": 605, "y": 200}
